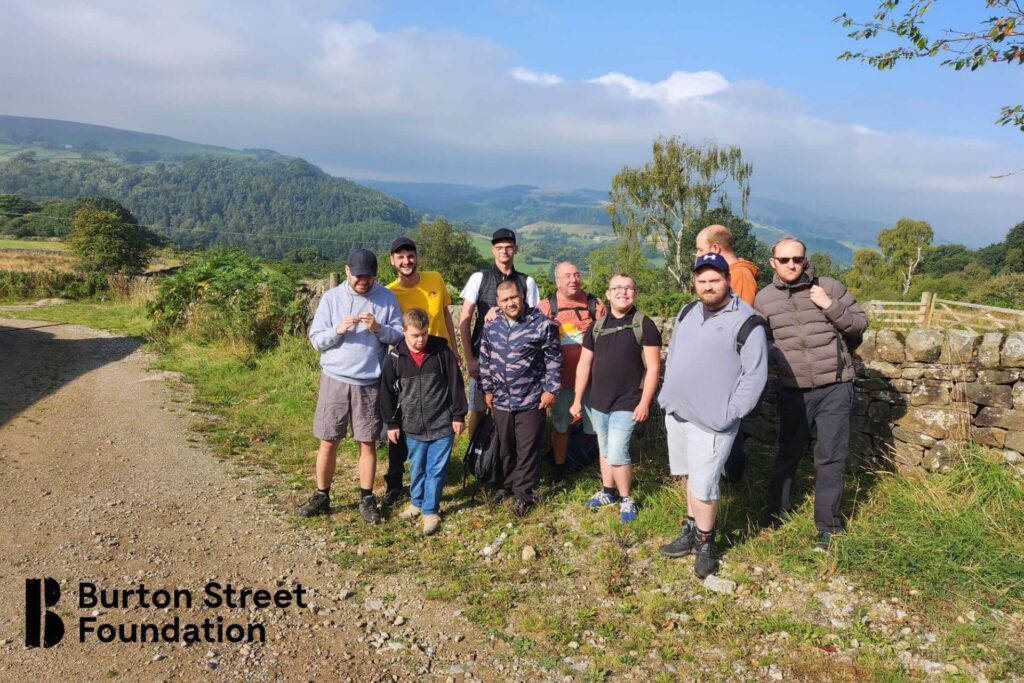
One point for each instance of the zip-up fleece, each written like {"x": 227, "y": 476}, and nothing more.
{"x": 743, "y": 279}
{"x": 423, "y": 400}
{"x": 356, "y": 356}
{"x": 519, "y": 363}
{"x": 809, "y": 350}
{"x": 706, "y": 381}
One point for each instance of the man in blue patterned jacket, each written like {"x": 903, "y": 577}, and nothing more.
{"x": 520, "y": 376}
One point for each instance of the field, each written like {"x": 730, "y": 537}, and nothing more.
{"x": 581, "y": 230}
{"x": 35, "y": 259}
{"x": 530, "y": 267}
{"x": 34, "y": 245}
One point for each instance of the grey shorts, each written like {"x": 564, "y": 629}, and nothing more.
{"x": 698, "y": 454}
{"x": 561, "y": 420}
{"x": 340, "y": 404}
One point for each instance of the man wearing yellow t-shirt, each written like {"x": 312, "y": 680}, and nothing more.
{"x": 424, "y": 290}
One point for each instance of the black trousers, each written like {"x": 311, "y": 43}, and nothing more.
{"x": 520, "y": 439}
{"x": 829, "y": 409}
{"x": 398, "y": 453}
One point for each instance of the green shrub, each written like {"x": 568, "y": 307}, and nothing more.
{"x": 1005, "y": 291}
{"x": 49, "y": 283}
{"x": 225, "y": 294}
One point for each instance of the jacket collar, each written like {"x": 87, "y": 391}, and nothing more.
{"x": 806, "y": 279}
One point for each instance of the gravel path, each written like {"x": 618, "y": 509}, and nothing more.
{"x": 100, "y": 481}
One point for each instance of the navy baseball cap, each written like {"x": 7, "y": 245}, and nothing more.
{"x": 712, "y": 260}
{"x": 503, "y": 235}
{"x": 403, "y": 242}
{"x": 362, "y": 262}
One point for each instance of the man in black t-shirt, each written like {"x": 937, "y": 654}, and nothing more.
{"x": 620, "y": 360}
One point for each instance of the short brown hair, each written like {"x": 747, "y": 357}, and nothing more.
{"x": 625, "y": 275}
{"x": 718, "y": 235}
{"x": 788, "y": 238}
{"x": 415, "y": 318}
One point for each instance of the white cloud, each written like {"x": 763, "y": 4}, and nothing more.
{"x": 679, "y": 86}
{"x": 526, "y": 76}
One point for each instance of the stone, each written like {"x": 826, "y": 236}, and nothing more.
{"x": 1007, "y": 418}
{"x": 959, "y": 346}
{"x": 861, "y": 402}
{"x": 927, "y": 395}
{"x": 880, "y": 368}
{"x": 868, "y": 426}
{"x": 941, "y": 374}
{"x": 907, "y": 454}
{"x": 866, "y": 350}
{"x": 924, "y": 345}
{"x": 912, "y": 437}
{"x": 937, "y": 423}
{"x": 893, "y": 397}
{"x": 989, "y": 394}
{"x": 940, "y": 458}
{"x": 889, "y": 346}
{"x": 880, "y": 410}
{"x": 989, "y": 436}
{"x": 1014, "y": 441}
{"x": 913, "y": 373}
{"x": 720, "y": 585}
{"x": 860, "y": 444}
{"x": 904, "y": 386}
{"x": 998, "y": 376}
{"x": 1012, "y": 458}
{"x": 1017, "y": 394}
{"x": 529, "y": 553}
{"x": 873, "y": 384}
{"x": 761, "y": 429}
{"x": 988, "y": 350}
{"x": 1012, "y": 354}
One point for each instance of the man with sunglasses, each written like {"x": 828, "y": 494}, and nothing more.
{"x": 812, "y": 320}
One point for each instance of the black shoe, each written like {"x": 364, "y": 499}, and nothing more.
{"x": 824, "y": 541}
{"x": 392, "y": 497}
{"x": 558, "y": 476}
{"x": 770, "y": 520}
{"x": 707, "y": 559}
{"x": 499, "y": 496}
{"x": 319, "y": 504}
{"x": 369, "y": 510}
{"x": 682, "y": 545}
{"x": 521, "y": 508}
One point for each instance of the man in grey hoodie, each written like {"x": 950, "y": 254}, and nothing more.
{"x": 716, "y": 369}
{"x": 353, "y": 325}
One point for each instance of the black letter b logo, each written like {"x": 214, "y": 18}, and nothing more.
{"x": 40, "y": 594}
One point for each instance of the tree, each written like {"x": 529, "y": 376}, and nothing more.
{"x": 825, "y": 265}
{"x": 904, "y": 246}
{"x": 944, "y": 259}
{"x": 869, "y": 277}
{"x": 659, "y": 201}
{"x": 443, "y": 248}
{"x": 107, "y": 245}
{"x": 995, "y": 40}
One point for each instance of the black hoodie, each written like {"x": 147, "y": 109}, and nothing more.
{"x": 423, "y": 400}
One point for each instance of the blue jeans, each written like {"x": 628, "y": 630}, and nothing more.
{"x": 613, "y": 432}
{"x": 428, "y": 461}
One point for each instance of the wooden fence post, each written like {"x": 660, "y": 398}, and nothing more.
{"x": 332, "y": 281}
{"x": 927, "y": 306}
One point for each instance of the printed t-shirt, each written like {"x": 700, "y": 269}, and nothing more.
{"x": 432, "y": 296}
{"x": 617, "y": 373}
{"x": 572, "y": 325}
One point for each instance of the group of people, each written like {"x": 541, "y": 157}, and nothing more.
{"x": 390, "y": 360}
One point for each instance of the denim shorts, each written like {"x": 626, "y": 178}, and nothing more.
{"x": 613, "y": 432}
{"x": 698, "y": 454}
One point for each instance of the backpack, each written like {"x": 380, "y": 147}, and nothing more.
{"x": 591, "y": 307}
{"x": 637, "y": 327}
{"x": 745, "y": 329}
{"x": 483, "y": 458}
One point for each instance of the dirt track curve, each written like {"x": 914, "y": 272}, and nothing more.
{"x": 100, "y": 482}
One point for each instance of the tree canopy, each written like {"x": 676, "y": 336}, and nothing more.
{"x": 106, "y": 244}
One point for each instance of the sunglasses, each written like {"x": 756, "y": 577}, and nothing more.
{"x": 786, "y": 259}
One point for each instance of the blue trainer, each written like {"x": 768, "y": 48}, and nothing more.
{"x": 627, "y": 510}
{"x": 601, "y": 499}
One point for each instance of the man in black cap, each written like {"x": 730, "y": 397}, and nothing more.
{"x": 480, "y": 296}
{"x": 353, "y": 325}
{"x": 426, "y": 290}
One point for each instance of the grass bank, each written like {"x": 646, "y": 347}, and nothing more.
{"x": 928, "y": 578}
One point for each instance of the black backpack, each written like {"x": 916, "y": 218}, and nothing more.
{"x": 591, "y": 307}
{"x": 745, "y": 329}
{"x": 483, "y": 459}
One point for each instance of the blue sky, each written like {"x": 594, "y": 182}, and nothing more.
{"x": 558, "y": 94}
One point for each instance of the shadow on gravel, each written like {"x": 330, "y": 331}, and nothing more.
{"x": 34, "y": 363}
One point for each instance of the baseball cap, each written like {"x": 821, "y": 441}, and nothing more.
{"x": 402, "y": 242}
{"x": 713, "y": 260}
{"x": 362, "y": 262}
{"x": 503, "y": 235}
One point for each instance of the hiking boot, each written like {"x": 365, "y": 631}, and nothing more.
{"x": 319, "y": 504}
{"x": 770, "y": 520}
{"x": 521, "y": 508}
{"x": 824, "y": 541}
{"x": 601, "y": 499}
{"x": 499, "y": 496}
{"x": 430, "y": 524}
{"x": 682, "y": 545}
{"x": 627, "y": 510}
{"x": 369, "y": 510}
{"x": 410, "y": 512}
{"x": 706, "y": 562}
{"x": 558, "y": 476}
{"x": 392, "y": 496}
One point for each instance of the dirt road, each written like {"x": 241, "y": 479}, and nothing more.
{"x": 101, "y": 482}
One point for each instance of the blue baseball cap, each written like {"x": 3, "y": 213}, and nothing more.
{"x": 711, "y": 260}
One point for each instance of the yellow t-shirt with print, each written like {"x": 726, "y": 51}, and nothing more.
{"x": 431, "y": 295}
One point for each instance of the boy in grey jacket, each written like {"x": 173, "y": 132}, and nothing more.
{"x": 353, "y": 325}
{"x": 713, "y": 378}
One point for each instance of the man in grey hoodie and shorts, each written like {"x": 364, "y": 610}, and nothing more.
{"x": 716, "y": 369}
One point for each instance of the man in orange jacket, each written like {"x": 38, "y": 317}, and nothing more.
{"x": 743, "y": 279}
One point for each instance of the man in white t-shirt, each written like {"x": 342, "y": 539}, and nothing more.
{"x": 480, "y": 296}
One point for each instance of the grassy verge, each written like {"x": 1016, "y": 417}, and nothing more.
{"x": 929, "y": 574}
{"x": 126, "y": 317}
{"x": 34, "y": 245}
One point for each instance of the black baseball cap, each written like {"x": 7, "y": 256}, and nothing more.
{"x": 362, "y": 262}
{"x": 503, "y": 235}
{"x": 711, "y": 260}
{"x": 400, "y": 243}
